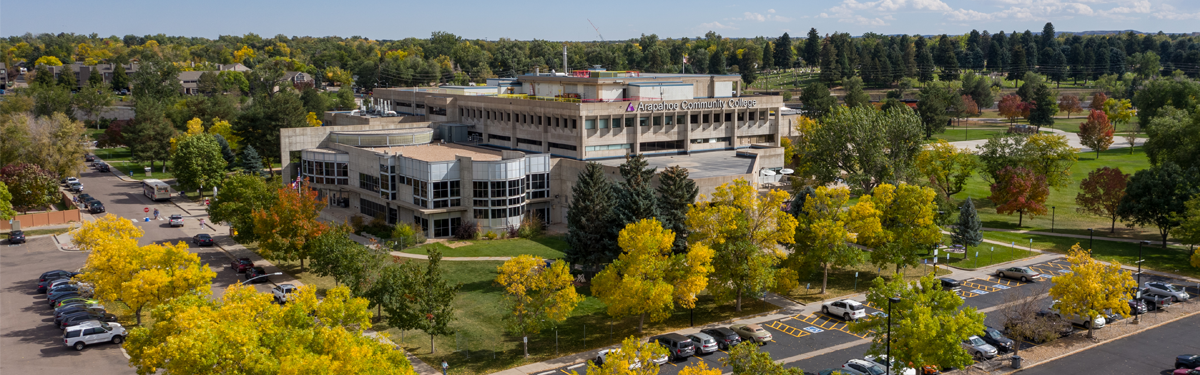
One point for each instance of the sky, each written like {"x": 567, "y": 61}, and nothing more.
{"x": 524, "y": 20}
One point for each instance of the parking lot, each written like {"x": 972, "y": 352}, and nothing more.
{"x": 797, "y": 337}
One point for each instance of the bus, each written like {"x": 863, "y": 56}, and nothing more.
{"x": 156, "y": 189}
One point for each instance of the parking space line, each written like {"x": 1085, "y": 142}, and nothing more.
{"x": 986, "y": 288}
{"x": 1003, "y": 281}
{"x": 787, "y": 330}
{"x": 966, "y": 294}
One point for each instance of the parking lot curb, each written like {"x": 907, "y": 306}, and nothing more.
{"x": 1097, "y": 344}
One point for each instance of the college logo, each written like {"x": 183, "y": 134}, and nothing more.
{"x": 630, "y": 108}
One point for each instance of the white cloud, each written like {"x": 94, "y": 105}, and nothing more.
{"x": 1142, "y": 6}
{"x": 717, "y": 26}
{"x": 968, "y": 15}
{"x": 1168, "y": 12}
{"x": 759, "y": 17}
{"x": 864, "y": 21}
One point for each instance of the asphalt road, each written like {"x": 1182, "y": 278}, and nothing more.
{"x": 1149, "y": 352}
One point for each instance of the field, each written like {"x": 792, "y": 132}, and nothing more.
{"x": 847, "y": 281}
{"x": 1069, "y": 220}
{"x": 549, "y": 247}
{"x": 1173, "y": 259}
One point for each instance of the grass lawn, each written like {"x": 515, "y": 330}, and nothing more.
{"x": 93, "y": 133}
{"x": 1172, "y": 259}
{"x": 1067, "y": 220}
{"x": 843, "y": 281}
{"x": 988, "y": 254}
{"x": 139, "y": 172}
{"x": 113, "y": 154}
{"x": 39, "y": 232}
{"x": 549, "y": 247}
{"x": 968, "y": 134}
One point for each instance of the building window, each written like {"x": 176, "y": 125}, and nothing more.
{"x": 658, "y": 120}
{"x": 372, "y": 209}
{"x": 420, "y": 193}
{"x": 607, "y": 147}
{"x": 695, "y": 119}
{"x": 480, "y": 203}
{"x": 589, "y": 124}
{"x": 659, "y": 146}
{"x": 499, "y": 189}
{"x": 508, "y": 116}
{"x": 710, "y": 140}
{"x": 573, "y": 122}
{"x": 368, "y": 182}
{"x": 616, "y": 123}
{"x": 480, "y": 190}
{"x": 707, "y": 118}
{"x": 539, "y": 119}
{"x": 515, "y": 188}
{"x": 752, "y": 115}
{"x": 741, "y": 116}
{"x": 446, "y": 189}
{"x": 493, "y": 137}
{"x": 422, "y": 222}
{"x": 481, "y": 214}
{"x": 529, "y": 141}
{"x": 514, "y": 211}
{"x": 499, "y": 202}
{"x": 603, "y": 123}
{"x": 670, "y": 120}
{"x": 499, "y": 213}
{"x": 679, "y": 120}
{"x": 728, "y": 117}
{"x": 562, "y": 146}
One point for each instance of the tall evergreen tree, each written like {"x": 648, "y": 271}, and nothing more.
{"x": 67, "y": 79}
{"x": 1044, "y": 106}
{"x": 830, "y": 70}
{"x": 1017, "y": 67}
{"x": 226, "y": 152}
{"x": 590, "y": 217}
{"x": 925, "y": 63}
{"x": 1116, "y": 61}
{"x": 96, "y": 79}
{"x": 784, "y": 56}
{"x": 855, "y": 96}
{"x": 120, "y": 80}
{"x": 675, "y": 193}
{"x": 250, "y": 162}
{"x": 1047, "y": 35}
{"x": 812, "y": 48}
{"x": 966, "y": 232}
{"x": 43, "y": 77}
{"x": 716, "y": 62}
{"x": 796, "y": 209}
{"x": 149, "y": 136}
{"x": 635, "y": 196}
{"x": 768, "y": 56}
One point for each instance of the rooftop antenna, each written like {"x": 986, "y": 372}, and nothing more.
{"x": 597, "y": 29}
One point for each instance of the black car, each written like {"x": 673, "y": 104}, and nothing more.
{"x": 102, "y": 167}
{"x": 49, "y": 276}
{"x": 1187, "y": 361}
{"x": 1136, "y": 306}
{"x": 85, "y": 197}
{"x": 76, "y": 309}
{"x": 75, "y": 320}
{"x": 950, "y": 284}
{"x": 16, "y": 237}
{"x": 44, "y": 286}
{"x": 53, "y": 298}
{"x": 89, "y": 158}
{"x": 63, "y": 317}
{"x": 256, "y": 272}
{"x": 993, "y": 337}
{"x": 726, "y": 338}
{"x": 202, "y": 239}
{"x": 96, "y": 208}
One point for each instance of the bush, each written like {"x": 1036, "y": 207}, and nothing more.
{"x": 787, "y": 96}
{"x": 512, "y": 232}
{"x": 378, "y": 228}
{"x": 356, "y": 222}
{"x": 490, "y": 235}
{"x": 531, "y": 227}
{"x": 468, "y": 230}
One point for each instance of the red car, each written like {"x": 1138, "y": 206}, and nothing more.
{"x": 240, "y": 265}
{"x": 1183, "y": 371}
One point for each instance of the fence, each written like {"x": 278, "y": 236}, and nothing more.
{"x": 43, "y": 219}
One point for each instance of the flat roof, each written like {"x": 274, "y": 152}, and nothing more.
{"x": 700, "y": 164}
{"x": 442, "y": 152}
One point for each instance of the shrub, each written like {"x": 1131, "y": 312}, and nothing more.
{"x": 468, "y": 230}
{"x": 490, "y": 235}
{"x": 512, "y": 232}
{"x": 530, "y": 227}
{"x": 356, "y": 222}
{"x": 787, "y": 96}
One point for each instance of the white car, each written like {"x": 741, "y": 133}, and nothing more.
{"x": 93, "y": 332}
{"x": 283, "y": 292}
{"x": 1096, "y": 322}
{"x": 848, "y": 309}
{"x": 979, "y": 349}
{"x": 603, "y": 355}
{"x": 71, "y": 180}
{"x": 897, "y": 368}
{"x": 862, "y": 367}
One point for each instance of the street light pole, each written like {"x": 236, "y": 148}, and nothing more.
{"x": 1138, "y": 318}
{"x": 1091, "y": 233}
{"x": 1052, "y": 211}
{"x": 889, "y": 334}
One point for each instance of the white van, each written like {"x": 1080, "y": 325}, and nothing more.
{"x": 93, "y": 332}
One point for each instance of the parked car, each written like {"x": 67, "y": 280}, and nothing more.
{"x": 93, "y": 332}
{"x": 896, "y": 369}
{"x": 89, "y": 158}
{"x": 96, "y": 207}
{"x": 752, "y": 332}
{"x": 1136, "y": 306}
{"x": 240, "y": 265}
{"x": 76, "y": 187}
{"x": 848, "y": 309}
{"x": 102, "y": 167}
{"x": 678, "y": 346}
{"x": 63, "y": 317}
{"x": 1096, "y": 322}
{"x": 283, "y": 292}
{"x": 16, "y": 237}
{"x": 78, "y": 319}
{"x": 726, "y": 338}
{"x": 1019, "y": 273}
{"x": 175, "y": 220}
{"x": 1152, "y": 301}
{"x": 602, "y": 356}
{"x": 202, "y": 239}
{"x": 256, "y": 272}
{"x": 53, "y": 298}
{"x": 1162, "y": 289}
{"x": 996, "y": 339}
{"x": 85, "y": 197}
{"x": 862, "y": 367}
{"x": 59, "y": 314}
{"x": 1187, "y": 361}
{"x": 56, "y": 274}
{"x": 61, "y": 286}
{"x": 70, "y": 180}
{"x": 1183, "y": 371}
{"x": 951, "y": 284}
{"x": 705, "y": 344}
{"x": 76, "y": 304}
{"x": 979, "y": 349}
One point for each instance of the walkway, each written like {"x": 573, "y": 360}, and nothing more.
{"x": 1079, "y": 236}
{"x": 1072, "y": 140}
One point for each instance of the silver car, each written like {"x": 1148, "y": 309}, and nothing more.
{"x": 979, "y": 349}
{"x": 704, "y": 343}
{"x": 1020, "y": 273}
{"x": 1161, "y": 289}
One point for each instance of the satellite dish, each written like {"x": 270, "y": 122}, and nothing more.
{"x": 768, "y": 172}
{"x": 786, "y": 171}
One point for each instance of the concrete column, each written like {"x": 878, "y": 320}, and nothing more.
{"x": 686, "y": 133}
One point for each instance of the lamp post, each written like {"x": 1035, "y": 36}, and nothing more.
{"x": 889, "y": 333}
{"x": 1139, "y": 278}
{"x": 1052, "y": 211}
{"x": 1091, "y": 232}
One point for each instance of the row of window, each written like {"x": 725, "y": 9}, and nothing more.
{"x": 499, "y": 213}
{"x": 529, "y": 141}
{"x": 368, "y": 182}
{"x": 706, "y": 118}
{"x": 710, "y": 140}
{"x": 372, "y": 209}
{"x": 563, "y": 146}
{"x": 608, "y": 147}
{"x": 325, "y": 168}
{"x": 499, "y": 202}
{"x": 521, "y": 118}
{"x": 446, "y": 227}
{"x": 327, "y": 180}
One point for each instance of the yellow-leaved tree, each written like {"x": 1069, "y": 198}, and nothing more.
{"x": 106, "y": 229}
{"x": 946, "y": 166}
{"x": 312, "y": 119}
{"x": 139, "y": 276}
{"x": 828, "y": 228}
{"x": 1092, "y": 287}
{"x": 906, "y": 215}
{"x": 646, "y": 280}
{"x": 745, "y": 230}
{"x": 538, "y": 293}
{"x": 699, "y": 368}
{"x": 634, "y": 357}
{"x": 243, "y": 330}
{"x": 224, "y": 129}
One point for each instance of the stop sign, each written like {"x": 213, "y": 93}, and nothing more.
{"x": 147, "y": 209}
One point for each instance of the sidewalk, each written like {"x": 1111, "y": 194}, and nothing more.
{"x": 1079, "y": 236}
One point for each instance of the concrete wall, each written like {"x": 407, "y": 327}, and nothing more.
{"x": 296, "y": 139}
{"x": 341, "y": 118}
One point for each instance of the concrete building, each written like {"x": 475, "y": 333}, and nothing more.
{"x": 495, "y": 155}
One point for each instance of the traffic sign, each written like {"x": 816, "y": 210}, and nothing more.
{"x": 147, "y": 209}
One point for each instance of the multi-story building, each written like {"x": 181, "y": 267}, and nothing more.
{"x": 495, "y": 155}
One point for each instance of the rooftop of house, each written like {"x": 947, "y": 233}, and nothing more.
{"x": 434, "y": 152}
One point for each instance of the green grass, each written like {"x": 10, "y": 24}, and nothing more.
{"x": 1066, "y": 219}
{"x": 1173, "y": 259}
{"x": 139, "y": 172}
{"x": 39, "y": 232}
{"x": 93, "y": 133}
{"x": 988, "y": 254}
{"x": 967, "y": 134}
{"x": 114, "y": 154}
{"x": 843, "y": 282}
{"x": 549, "y": 247}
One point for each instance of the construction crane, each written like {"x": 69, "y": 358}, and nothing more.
{"x": 597, "y": 29}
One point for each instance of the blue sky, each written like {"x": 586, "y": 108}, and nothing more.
{"x": 519, "y": 19}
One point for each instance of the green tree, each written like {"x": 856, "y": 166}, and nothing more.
{"x": 208, "y": 84}
{"x": 784, "y": 56}
{"x": 6, "y": 205}
{"x": 1047, "y": 155}
{"x": 237, "y": 198}
{"x": 120, "y": 80}
{"x": 1188, "y": 231}
{"x": 67, "y": 79}
{"x": 936, "y": 102}
{"x": 1174, "y": 137}
{"x": 812, "y": 48}
{"x": 824, "y": 235}
{"x": 156, "y": 80}
{"x": 906, "y": 213}
{"x": 635, "y": 195}
{"x": 92, "y": 99}
{"x": 314, "y": 101}
{"x": 1044, "y": 107}
{"x": 927, "y": 325}
{"x": 830, "y": 71}
{"x": 748, "y": 360}
{"x": 1018, "y": 66}
{"x": 676, "y": 192}
{"x": 43, "y": 77}
{"x": 250, "y": 163}
{"x": 197, "y": 162}
{"x": 817, "y": 100}
{"x": 345, "y": 99}
{"x": 946, "y": 167}
{"x": 259, "y": 126}
{"x": 1157, "y": 196}
{"x": 866, "y": 146}
{"x": 31, "y": 186}
{"x": 51, "y": 99}
{"x": 855, "y": 96}
{"x": 589, "y": 216}
{"x": 151, "y": 130}
{"x": 966, "y": 232}
{"x": 226, "y": 151}
{"x": 428, "y": 304}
